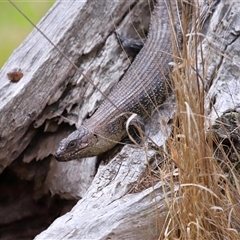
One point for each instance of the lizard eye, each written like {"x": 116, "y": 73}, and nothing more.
{"x": 72, "y": 144}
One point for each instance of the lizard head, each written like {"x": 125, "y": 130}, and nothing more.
{"x": 81, "y": 143}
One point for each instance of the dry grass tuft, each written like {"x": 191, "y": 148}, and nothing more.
{"x": 206, "y": 206}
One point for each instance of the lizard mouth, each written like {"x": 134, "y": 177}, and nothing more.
{"x": 60, "y": 158}
{"x": 65, "y": 157}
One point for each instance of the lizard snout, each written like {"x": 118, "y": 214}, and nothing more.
{"x": 59, "y": 157}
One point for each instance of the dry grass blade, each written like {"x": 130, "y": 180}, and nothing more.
{"x": 206, "y": 206}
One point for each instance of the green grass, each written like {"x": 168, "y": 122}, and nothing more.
{"x": 14, "y": 28}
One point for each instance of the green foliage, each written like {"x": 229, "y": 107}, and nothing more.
{"x": 14, "y": 27}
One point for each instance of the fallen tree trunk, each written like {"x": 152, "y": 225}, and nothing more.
{"x": 52, "y": 98}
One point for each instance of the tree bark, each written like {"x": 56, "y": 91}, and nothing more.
{"x": 52, "y": 99}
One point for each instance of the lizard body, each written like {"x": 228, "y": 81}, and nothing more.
{"x": 143, "y": 88}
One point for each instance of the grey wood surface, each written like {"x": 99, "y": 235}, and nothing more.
{"x": 52, "y": 92}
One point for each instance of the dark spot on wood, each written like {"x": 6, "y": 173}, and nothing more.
{"x": 15, "y": 75}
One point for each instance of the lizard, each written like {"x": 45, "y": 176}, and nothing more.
{"x": 143, "y": 88}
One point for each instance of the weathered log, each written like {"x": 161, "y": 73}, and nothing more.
{"x": 52, "y": 92}
{"x": 77, "y": 226}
